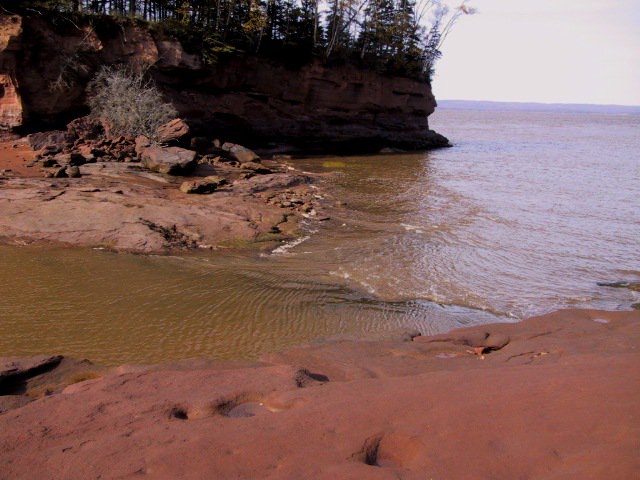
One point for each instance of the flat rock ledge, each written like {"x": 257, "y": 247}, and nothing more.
{"x": 125, "y": 206}
{"x": 550, "y": 397}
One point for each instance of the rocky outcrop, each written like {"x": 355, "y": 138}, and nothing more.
{"x": 45, "y": 67}
{"x": 11, "y": 113}
{"x": 558, "y": 400}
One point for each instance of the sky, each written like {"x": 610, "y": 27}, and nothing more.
{"x": 550, "y": 51}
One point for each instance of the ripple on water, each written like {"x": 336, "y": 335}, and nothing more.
{"x": 501, "y": 226}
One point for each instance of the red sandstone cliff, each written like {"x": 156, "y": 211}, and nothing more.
{"x": 45, "y": 66}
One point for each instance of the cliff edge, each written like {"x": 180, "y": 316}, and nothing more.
{"x": 45, "y": 66}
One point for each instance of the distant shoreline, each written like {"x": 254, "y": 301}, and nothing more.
{"x": 537, "y": 107}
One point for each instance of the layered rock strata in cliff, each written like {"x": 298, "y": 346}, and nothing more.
{"x": 45, "y": 67}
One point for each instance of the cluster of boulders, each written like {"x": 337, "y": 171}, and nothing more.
{"x": 171, "y": 151}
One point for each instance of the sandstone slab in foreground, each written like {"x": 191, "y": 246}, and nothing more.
{"x": 550, "y": 397}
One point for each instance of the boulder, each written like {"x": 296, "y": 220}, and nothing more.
{"x": 141, "y": 142}
{"x": 49, "y": 162}
{"x": 169, "y": 160}
{"x": 73, "y": 172}
{"x": 60, "y": 173}
{"x": 87, "y": 153}
{"x": 256, "y": 168}
{"x": 172, "y": 131}
{"x": 239, "y": 153}
{"x": 71, "y": 159}
{"x": 85, "y": 128}
{"x": 54, "y": 140}
{"x": 201, "y": 145}
{"x": 206, "y": 185}
{"x": 48, "y": 151}
{"x": 24, "y": 367}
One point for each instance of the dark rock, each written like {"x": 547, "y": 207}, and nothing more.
{"x": 73, "y": 172}
{"x": 635, "y": 286}
{"x": 55, "y": 140}
{"x": 85, "y": 128}
{"x": 49, "y": 162}
{"x": 169, "y": 160}
{"x": 72, "y": 159}
{"x": 48, "y": 151}
{"x": 206, "y": 185}
{"x": 200, "y": 144}
{"x": 99, "y": 152}
{"x": 172, "y": 131}
{"x": 60, "y": 173}
{"x": 256, "y": 168}
{"x": 10, "y": 368}
{"x": 388, "y": 150}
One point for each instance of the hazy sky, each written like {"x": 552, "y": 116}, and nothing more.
{"x": 558, "y": 51}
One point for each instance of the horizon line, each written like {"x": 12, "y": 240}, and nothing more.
{"x": 532, "y": 102}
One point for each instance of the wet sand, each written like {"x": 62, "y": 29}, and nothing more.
{"x": 550, "y": 397}
{"x": 15, "y": 155}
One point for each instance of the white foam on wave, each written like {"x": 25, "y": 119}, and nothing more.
{"x": 411, "y": 228}
{"x": 284, "y": 249}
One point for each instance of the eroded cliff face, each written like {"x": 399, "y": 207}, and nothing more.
{"x": 46, "y": 65}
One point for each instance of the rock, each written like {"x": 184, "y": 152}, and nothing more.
{"x": 169, "y": 160}
{"x": 256, "y": 168}
{"x": 49, "y": 162}
{"x": 72, "y": 159}
{"x": 172, "y": 131}
{"x": 85, "y": 150}
{"x": 141, "y": 142}
{"x": 200, "y": 144}
{"x": 60, "y": 173}
{"x": 240, "y": 153}
{"x": 206, "y": 185}
{"x": 55, "y": 140}
{"x": 48, "y": 150}
{"x": 85, "y": 128}
{"x": 277, "y": 181}
{"x": 636, "y": 306}
{"x": 24, "y": 367}
{"x": 73, "y": 172}
{"x": 635, "y": 286}
{"x": 11, "y": 110}
{"x": 99, "y": 152}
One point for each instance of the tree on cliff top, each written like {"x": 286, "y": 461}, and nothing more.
{"x": 392, "y": 36}
{"x": 127, "y": 103}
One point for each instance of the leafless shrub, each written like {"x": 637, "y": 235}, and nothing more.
{"x": 71, "y": 67}
{"x": 127, "y": 103}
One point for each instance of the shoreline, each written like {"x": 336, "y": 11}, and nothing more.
{"x": 122, "y": 206}
{"x": 419, "y": 407}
